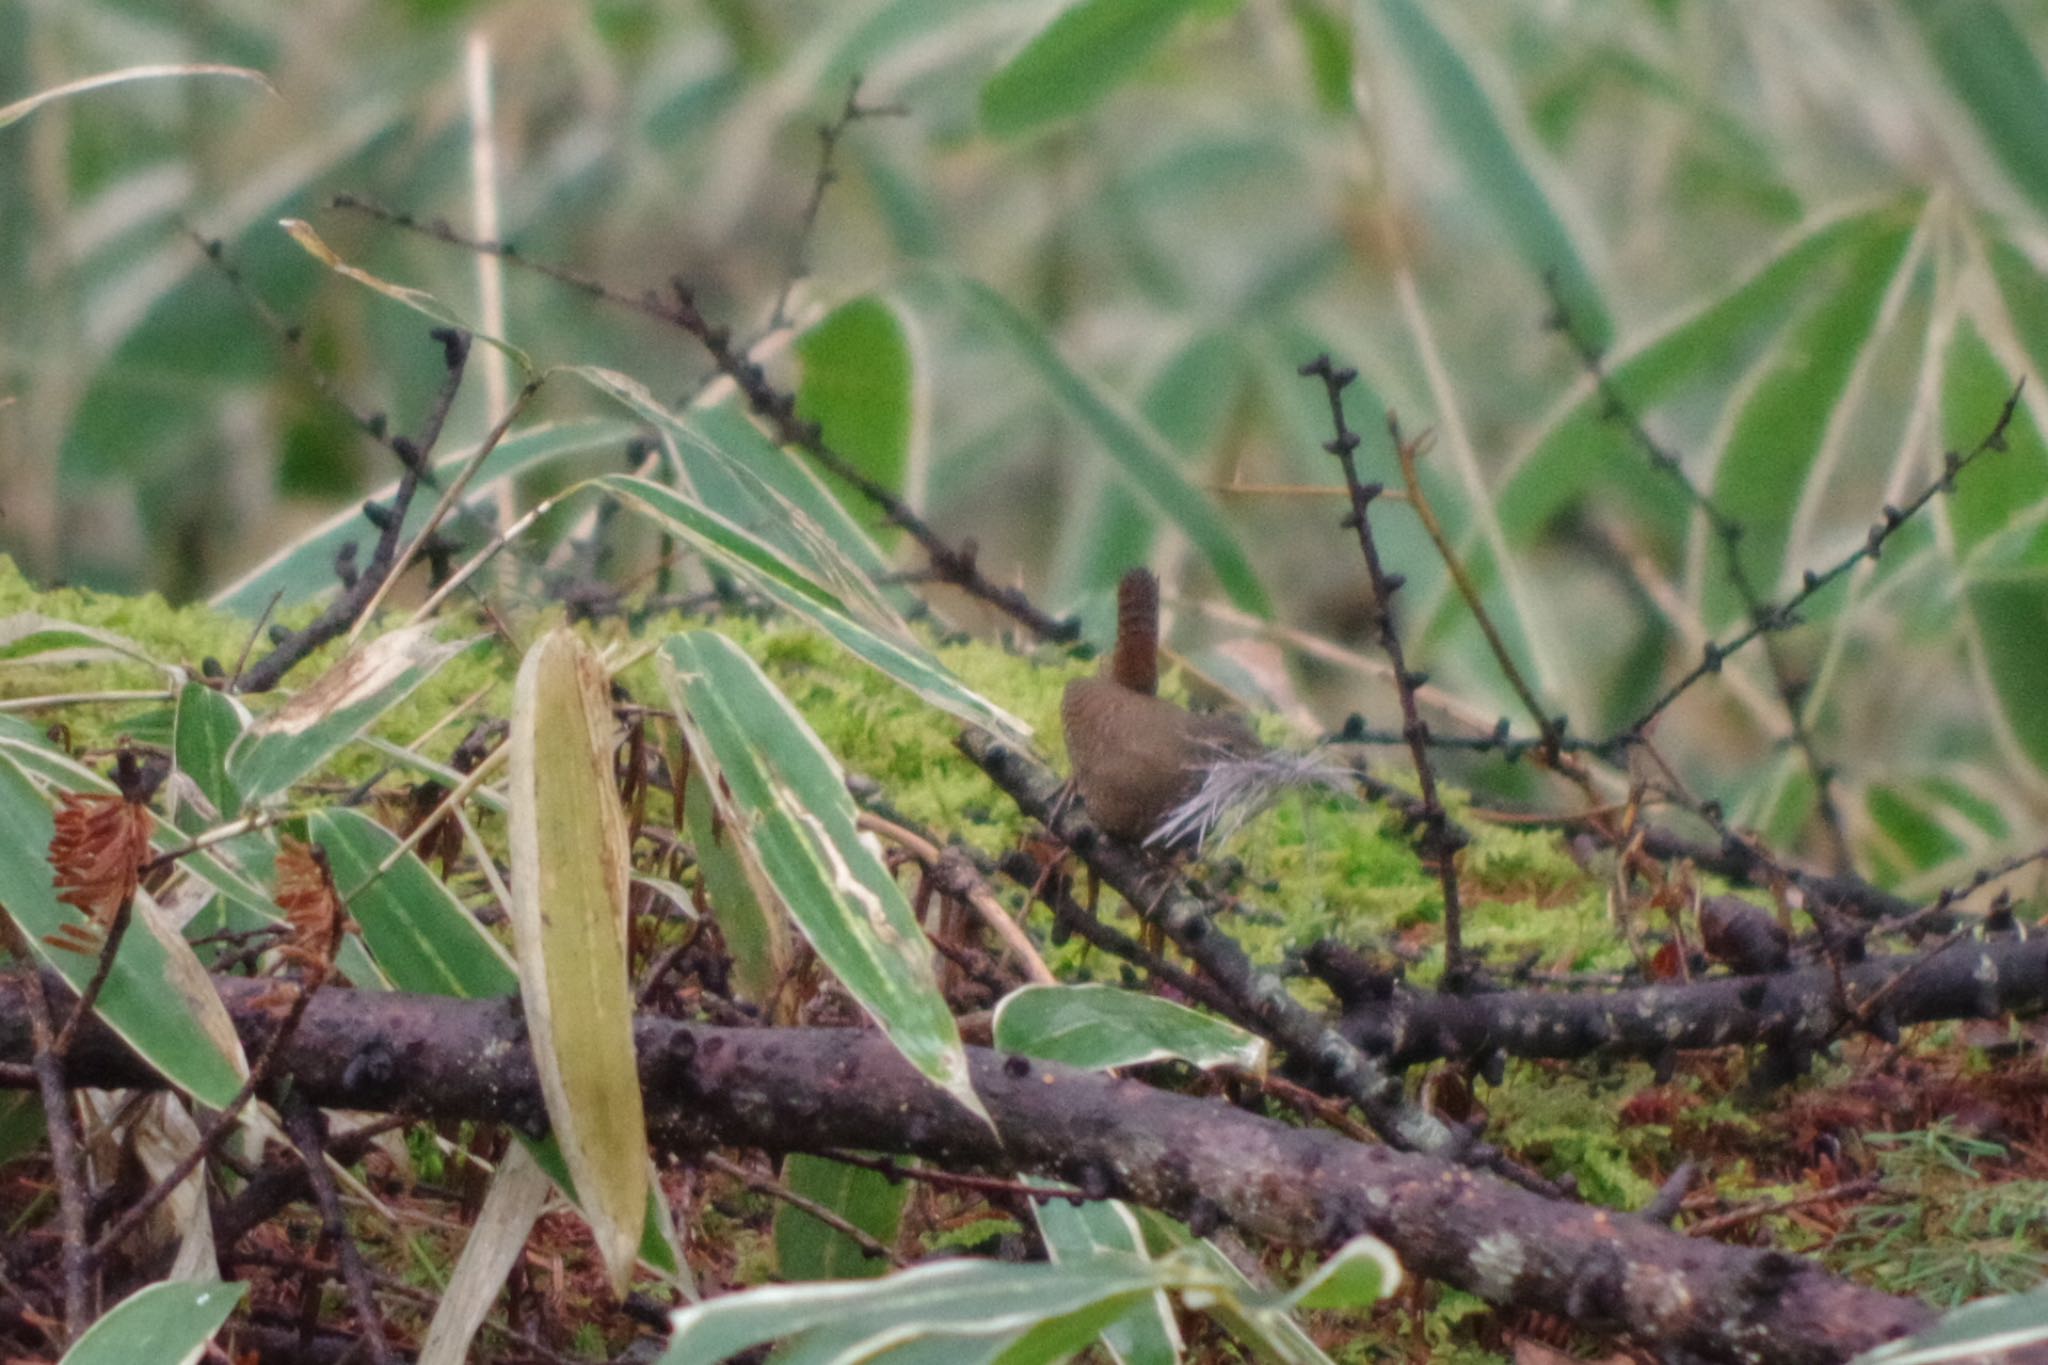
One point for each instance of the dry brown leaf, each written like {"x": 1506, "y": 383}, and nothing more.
{"x": 98, "y": 851}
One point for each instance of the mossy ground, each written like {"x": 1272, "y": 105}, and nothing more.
{"x": 1310, "y": 868}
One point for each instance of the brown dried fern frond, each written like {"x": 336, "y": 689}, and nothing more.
{"x": 98, "y": 852}
{"x": 313, "y": 908}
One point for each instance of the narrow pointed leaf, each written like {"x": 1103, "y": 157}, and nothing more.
{"x": 784, "y": 798}
{"x": 1097, "y": 1026}
{"x": 205, "y": 726}
{"x": 1496, "y": 167}
{"x": 22, "y": 108}
{"x": 1142, "y": 458}
{"x": 1082, "y": 55}
{"x": 899, "y": 658}
{"x": 419, "y": 300}
{"x": 170, "y": 1323}
{"x": 335, "y": 709}
{"x": 956, "y": 1300}
{"x": 806, "y": 1249}
{"x": 858, "y": 387}
{"x": 1147, "y": 1333}
{"x": 569, "y": 885}
{"x": 497, "y": 1239}
{"x": 1786, "y": 416}
{"x": 419, "y": 934}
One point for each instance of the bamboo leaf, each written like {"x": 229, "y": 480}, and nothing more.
{"x": 335, "y": 709}
{"x": 569, "y": 885}
{"x": 1497, "y": 169}
{"x": 806, "y": 1249}
{"x": 899, "y": 658}
{"x": 782, "y": 795}
{"x": 859, "y": 387}
{"x": 1097, "y": 1026}
{"x": 1146, "y": 463}
{"x": 418, "y": 933}
{"x": 170, "y": 1322}
{"x": 419, "y": 300}
{"x": 204, "y": 728}
{"x": 304, "y": 570}
{"x": 1076, "y": 60}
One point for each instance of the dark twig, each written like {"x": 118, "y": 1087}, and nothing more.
{"x": 954, "y": 565}
{"x": 302, "y": 1122}
{"x": 1440, "y": 840}
{"x": 1728, "y": 531}
{"x": 1781, "y": 616}
{"x": 67, "y": 1157}
{"x": 829, "y": 135}
{"x": 775, "y": 1189}
{"x": 104, "y": 968}
{"x": 957, "y": 1180}
{"x": 354, "y": 599}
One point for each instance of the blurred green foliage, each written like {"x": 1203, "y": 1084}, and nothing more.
{"x": 1085, "y": 259}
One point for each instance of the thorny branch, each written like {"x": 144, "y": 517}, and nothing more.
{"x": 1729, "y": 532}
{"x": 1440, "y": 840}
{"x": 950, "y": 564}
{"x": 361, "y": 587}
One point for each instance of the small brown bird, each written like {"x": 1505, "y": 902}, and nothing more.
{"x": 1136, "y": 756}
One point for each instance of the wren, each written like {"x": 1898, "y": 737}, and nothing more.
{"x": 1135, "y": 755}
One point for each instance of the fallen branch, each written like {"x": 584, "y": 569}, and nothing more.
{"x": 819, "y": 1089}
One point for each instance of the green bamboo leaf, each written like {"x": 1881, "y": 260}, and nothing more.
{"x": 335, "y": 709}
{"x": 1995, "y": 510}
{"x": 1147, "y": 464}
{"x": 1276, "y": 1334}
{"x": 2009, "y": 617}
{"x": 1327, "y": 42}
{"x": 733, "y": 471}
{"x": 1496, "y": 168}
{"x": 419, "y": 300}
{"x": 30, "y": 635}
{"x": 1077, "y": 59}
{"x": 304, "y": 570}
{"x": 1147, "y": 1333}
{"x": 900, "y": 658}
{"x": 782, "y": 794}
{"x": 416, "y": 930}
{"x": 975, "y": 1308}
{"x": 859, "y": 387}
{"x": 1357, "y": 1275}
{"x": 1097, "y": 1026}
{"x": 206, "y": 725}
{"x": 2001, "y": 548}
{"x": 169, "y": 1323}
{"x": 1992, "y": 71}
{"x": 806, "y": 1249}
{"x": 569, "y": 885}
{"x": 1188, "y": 403}
{"x": 756, "y": 933}
{"x": 1777, "y": 436}
{"x": 1579, "y": 448}
{"x": 187, "y": 1038}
